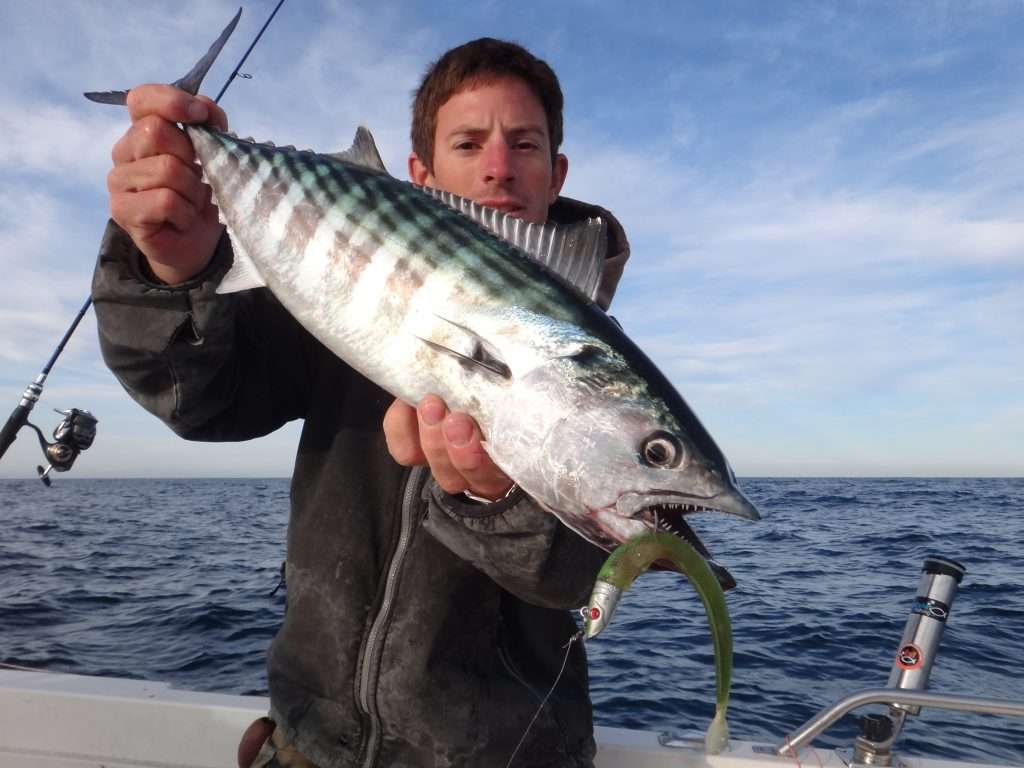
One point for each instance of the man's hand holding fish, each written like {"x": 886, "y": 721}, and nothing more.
{"x": 155, "y": 191}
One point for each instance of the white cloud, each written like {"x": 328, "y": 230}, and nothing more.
{"x": 826, "y": 221}
{"x": 62, "y": 145}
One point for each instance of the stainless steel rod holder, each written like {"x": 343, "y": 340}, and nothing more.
{"x": 940, "y": 579}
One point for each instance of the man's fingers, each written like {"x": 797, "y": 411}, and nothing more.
{"x": 450, "y": 443}
{"x": 151, "y": 209}
{"x": 401, "y": 432}
{"x": 218, "y": 118}
{"x": 466, "y": 453}
{"x": 161, "y": 171}
{"x": 167, "y": 102}
{"x": 432, "y": 412}
{"x": 150, "y": 136}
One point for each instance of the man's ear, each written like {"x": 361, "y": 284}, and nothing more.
{"x": 418, "y": 171}
{"x": 558, "y": 173}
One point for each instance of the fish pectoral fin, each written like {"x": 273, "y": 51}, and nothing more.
{"x": 363, "y": 151}
{"x": 479, "y": 358}
{"x": 463, "y": 343}
{"x": 243, "y": 274}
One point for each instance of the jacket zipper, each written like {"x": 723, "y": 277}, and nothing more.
{"x": 375, "y": 639}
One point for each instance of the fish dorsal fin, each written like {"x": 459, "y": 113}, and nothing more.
{"x": 243, "y": 274}
{"x": 363, "y": 151}
{"x": 575, "y": 252}
{"x": 189, "y": 83}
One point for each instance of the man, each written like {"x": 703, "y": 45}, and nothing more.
{"x": 427, "y": 610}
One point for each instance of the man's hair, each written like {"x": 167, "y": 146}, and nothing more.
{"x": 479, "y": 62}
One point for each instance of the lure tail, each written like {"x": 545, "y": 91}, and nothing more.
{"x": 634, "y": 557}
{"x": 189, "y": 83}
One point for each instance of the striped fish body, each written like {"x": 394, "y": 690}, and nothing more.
{"x": 422, "y": 299}
{"x": 381, "y": 272}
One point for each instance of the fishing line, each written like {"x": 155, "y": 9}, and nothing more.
{"x": 793, "y": 752}
{"x": 19, "y": 416}
{"x": 234, "y": 72}
{"x": 565, "y": 660}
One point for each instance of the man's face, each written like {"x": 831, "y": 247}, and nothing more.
{"x": 492, "y": 146}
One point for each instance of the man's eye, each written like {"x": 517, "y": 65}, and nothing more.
{"x": 466, "y": 145}
{"x": 527, "y": 145}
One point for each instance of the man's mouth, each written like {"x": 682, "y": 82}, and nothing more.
{"x": 506, "y": 205}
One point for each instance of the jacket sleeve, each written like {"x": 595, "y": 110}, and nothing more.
{"x": 184, "y": 352}
{"x": 522, "y": 547}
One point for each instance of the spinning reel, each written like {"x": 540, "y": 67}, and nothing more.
{"x": 72, "y": 436}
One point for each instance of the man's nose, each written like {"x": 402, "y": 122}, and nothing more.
{"x": 499, "y": 164}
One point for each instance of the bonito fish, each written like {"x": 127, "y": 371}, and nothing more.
{"x": 424, "y": 292}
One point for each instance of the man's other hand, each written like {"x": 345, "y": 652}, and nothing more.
{"x": 449, "y": 443}
{"x": 156, "y": 195}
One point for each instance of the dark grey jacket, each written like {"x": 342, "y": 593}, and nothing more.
{"x": 421, "y": 630}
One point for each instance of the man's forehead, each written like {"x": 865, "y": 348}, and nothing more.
{"x": 465, "y": 118}
{"x": 484, "y": 79}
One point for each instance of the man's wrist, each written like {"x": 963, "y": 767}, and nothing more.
{"x": 173, "y": 276}
{"x": 470, "y": 496}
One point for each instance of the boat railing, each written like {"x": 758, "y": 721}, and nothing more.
{"x": 818, "y": 724}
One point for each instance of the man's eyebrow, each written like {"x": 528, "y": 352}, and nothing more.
{"x": 471, "y": 129}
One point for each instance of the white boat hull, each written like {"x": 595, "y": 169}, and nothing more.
{"x": 51, "y": 720}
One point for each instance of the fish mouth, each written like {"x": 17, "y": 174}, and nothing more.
{"x": 670, "y": 518}
{"x": 667, "y": 510}
{"x": 731, "y": 501}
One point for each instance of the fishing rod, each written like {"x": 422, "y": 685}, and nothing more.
{"x": 78, "y": 429}
{"x": 72, "y": 436}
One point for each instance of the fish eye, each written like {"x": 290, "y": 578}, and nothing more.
{"x": 662, "y": 451}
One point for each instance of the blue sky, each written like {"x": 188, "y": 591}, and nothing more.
{"x": 825, "y": 202}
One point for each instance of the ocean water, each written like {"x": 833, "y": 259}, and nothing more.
{"x": 171, "y": 580}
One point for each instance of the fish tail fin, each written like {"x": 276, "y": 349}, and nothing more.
{"x": 189, "y": 83}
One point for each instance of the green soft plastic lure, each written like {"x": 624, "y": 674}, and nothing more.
{"x": 634, "y": 557}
